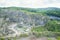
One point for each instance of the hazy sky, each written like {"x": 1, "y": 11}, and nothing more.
{"x": 30, "y": 3}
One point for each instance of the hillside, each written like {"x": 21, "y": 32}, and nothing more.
{"x": 21, "y": 22}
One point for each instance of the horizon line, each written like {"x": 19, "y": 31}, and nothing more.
{"x": 29, "y": 7}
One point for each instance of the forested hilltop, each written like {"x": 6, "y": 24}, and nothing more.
{"x": 29, "y": 22}
{"x": 49, "y": 11}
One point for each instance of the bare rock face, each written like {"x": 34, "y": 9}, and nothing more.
{"x": 24, "y": 18}
{"x": 21, "y": 19}
{"x": 27, "y": 19}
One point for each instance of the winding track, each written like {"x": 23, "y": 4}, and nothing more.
{"x": 12, "y": 27}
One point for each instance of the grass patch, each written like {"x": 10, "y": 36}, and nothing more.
{"x": 58, "y": 38}
{"x": 41, "y": 32}
{"x": 24, "y": 35}
{"x": 38, "y": 29}
{"x": 49, "y": 39}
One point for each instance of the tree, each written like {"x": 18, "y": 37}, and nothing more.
{"x": 53, "y": 26}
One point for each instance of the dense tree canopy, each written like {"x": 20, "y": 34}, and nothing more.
{"x": 53, "y": 26}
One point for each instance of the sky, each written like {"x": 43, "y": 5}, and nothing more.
{"x": 30, "y": 3}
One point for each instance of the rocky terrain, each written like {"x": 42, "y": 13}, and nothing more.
{"x": 16, "y": 22}
{"x": 29, "y": 24}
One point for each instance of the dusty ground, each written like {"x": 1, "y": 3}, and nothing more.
{"x": 34, "y": 38}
